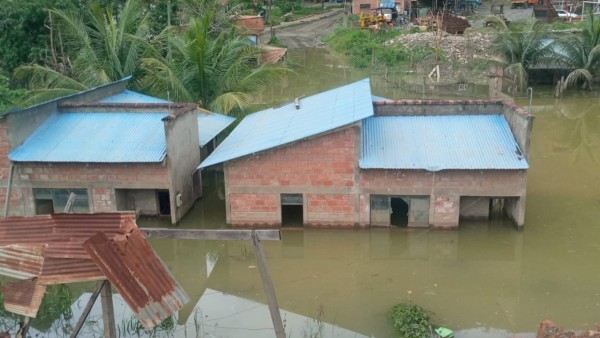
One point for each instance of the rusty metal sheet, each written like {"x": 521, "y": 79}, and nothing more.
{"x": 21, "y": 261}
{"x": 71, "y": 230}
{"x": 66, "y": 270}
{"x": 26, "y": 230}
{"x": 138, "y": 274}
{"x": 23, "y": 297}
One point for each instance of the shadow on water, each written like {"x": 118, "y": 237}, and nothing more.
{"x": 483, "y": 280}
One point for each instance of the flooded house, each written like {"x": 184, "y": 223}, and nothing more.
{"x": 343, "y": 158}
{"x": 116, "y": 149}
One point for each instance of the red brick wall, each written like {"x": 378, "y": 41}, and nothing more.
{"x": 255, "y": 209}
{"x": 100, "y": 179}
{"x": 113, "y": 175}
{"x": 319, "y": 165}
{"x": 331, "y": 209}
{"x": 357, "y": 10}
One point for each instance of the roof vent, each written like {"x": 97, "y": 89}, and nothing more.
{"x": 297, "y": 103}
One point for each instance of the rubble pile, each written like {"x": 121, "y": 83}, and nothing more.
{"x": 463, "y": 48}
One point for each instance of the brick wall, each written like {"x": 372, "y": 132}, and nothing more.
{"x": 255, "y": 209}
{"x": 324, "y": 165}
{"x": 100, "y": 179}
{"x": 444, "y": 187}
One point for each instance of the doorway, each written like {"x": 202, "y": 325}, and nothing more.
{"x": 292, "y": 210}
{"x": 399, "y": 215}
{"x": 164, "y": 202}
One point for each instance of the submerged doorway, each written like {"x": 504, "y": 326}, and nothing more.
{"x": 164, "y": 202}
{"x": 292, "y": 209}
{"x": 399, "y": 215}
{"x": 412, "y": 211}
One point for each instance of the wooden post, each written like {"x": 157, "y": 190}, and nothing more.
{"x": 87, "y": 309}
{"x": 261, "y": 261}
{"x": 108, "y": 313}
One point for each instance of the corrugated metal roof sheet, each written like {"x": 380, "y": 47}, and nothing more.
{"x": 439, "y": 142}
{"x": 23, "y": 297}
{"x": 21, "y": 261}
{"x": 210, "y": 125}
{"x": 279, "y": 126}
{"x": 128, "y": 96}
{"x": 138, "y": 274}
{"x": 89, "y": 137}
{"x": 55, "y": 241}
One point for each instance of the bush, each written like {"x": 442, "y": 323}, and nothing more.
{"x": 411, "y": 321}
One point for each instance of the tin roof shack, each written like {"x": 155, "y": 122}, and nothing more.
{"x": 338, "y": 159}
{"x": 433, "y": 162}
{"x": 115, "y": 149}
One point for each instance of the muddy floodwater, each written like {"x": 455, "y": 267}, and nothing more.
{"x": 484, "y": 279}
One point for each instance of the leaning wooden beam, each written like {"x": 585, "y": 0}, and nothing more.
{"x": 217, "y": 235}
{"x": 87, "y": 309}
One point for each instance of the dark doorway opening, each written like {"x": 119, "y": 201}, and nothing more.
{"x": 292, "y": 209}
{"x": 399, "y": 216}
{"x": 164, "y": 202}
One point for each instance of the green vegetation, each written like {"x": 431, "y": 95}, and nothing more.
{"x": 216, "y": 71}
{"x": 411, "y": 321}
{"x": 366, "y": 48}
{"x": 9, "y": 97}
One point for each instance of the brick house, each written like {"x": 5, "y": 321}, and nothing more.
{"x": 115, "y": 149}
{"x": 341, "y": 159}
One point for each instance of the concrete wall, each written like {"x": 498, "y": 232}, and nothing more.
{"x": 143, "y": 201}
{"x": 183, "y": 157}
{"x": 322, "y": 168}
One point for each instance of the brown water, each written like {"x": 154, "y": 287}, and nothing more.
{"x": 483, "y": 280}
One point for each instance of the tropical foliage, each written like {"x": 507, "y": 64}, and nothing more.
{"x": 582, "y": 54}
{"x": 522, "y": 47}
{"x": 411, "y": 320}
{"x": 215, "y": 69}
{"x": 89, "y": 49}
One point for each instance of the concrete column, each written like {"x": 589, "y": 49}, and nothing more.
{"x": 515, "y": 209}
{"x": 445, "y": 211}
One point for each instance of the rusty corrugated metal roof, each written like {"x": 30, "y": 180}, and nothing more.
{"x": 21, "y": 261}
{"x": 50, "y": 248}
{"x": 138, "y": 274}
{"x": 23, "y": 297}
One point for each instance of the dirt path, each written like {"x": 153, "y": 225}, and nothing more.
{"x": 308, "y": 31}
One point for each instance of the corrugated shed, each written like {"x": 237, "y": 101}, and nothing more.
{"x": 275, "y": 127}
{"x": 96, "y": 137}
{"x": 23, "y": 297}
{"x": 271, "y": 54}
{"x": 138, "y": 274}
{"x": 66, "y": 270}
{"x": 128, "y": 96}
{"x": 439, "y": 142}
{"x": 26, "y": 230}
{"x": 210, "y": 125}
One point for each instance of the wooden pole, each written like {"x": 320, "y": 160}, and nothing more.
{"x": 8, "y": 190}
{"x": 261, "y": 261}
{"x": 108, "y": 313}
{"x": 87, "y": 309}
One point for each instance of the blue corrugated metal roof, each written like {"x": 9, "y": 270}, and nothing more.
{"x": 128, "y": 96}
{"x": 278, "y": 126}
{"x": 439, "y": 142}
{"x": 210, "y": 125}
{"x": 89, "y": 137}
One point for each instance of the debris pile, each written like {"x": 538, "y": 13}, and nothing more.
{"x": 463, "y": 48}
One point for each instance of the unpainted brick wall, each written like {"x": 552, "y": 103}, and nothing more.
{"x": 324, "y": 163}
{"x": 331, "y": 209}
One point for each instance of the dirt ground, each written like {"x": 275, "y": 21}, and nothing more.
{"x": 308, "y": 32}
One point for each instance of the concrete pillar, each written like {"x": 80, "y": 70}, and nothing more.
{"x": 515, "y": 209}
{"x": 444, "y": 211}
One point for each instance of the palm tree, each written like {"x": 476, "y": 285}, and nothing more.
{"x": 522, "y": 47}
{"x": 582, "y": 54}
{"x": 215, "y": 70}
{"x": 89, "y": 49}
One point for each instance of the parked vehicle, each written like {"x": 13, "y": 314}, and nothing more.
{"x": 566, "y": 14}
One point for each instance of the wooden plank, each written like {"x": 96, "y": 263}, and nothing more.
{"x": 108, "y": 312}
{"x": 261, "y": 261}
{"x": 217, "y": 234}
{"x": 87, "y": 309}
